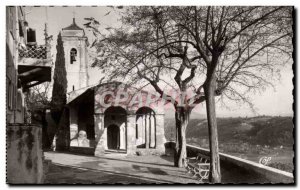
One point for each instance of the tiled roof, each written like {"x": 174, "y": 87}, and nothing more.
{"x": 73, "y": 26}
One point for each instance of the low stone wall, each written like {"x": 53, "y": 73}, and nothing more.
{"x": 265, "y": 173}
{"x": 24, "y": 155}
{"x": 150, "y": 151}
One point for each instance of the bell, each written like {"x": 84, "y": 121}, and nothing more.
{"x": 73, "y": 58}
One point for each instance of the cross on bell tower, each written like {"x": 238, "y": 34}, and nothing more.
{"x": 73, "y": 14}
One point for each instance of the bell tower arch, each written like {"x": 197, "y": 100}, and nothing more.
{"x": 75, "y": 46}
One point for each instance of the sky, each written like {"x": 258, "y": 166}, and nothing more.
{"x": 270, "y": 102}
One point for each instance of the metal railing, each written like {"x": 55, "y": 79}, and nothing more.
{"x": 38, "y": 52}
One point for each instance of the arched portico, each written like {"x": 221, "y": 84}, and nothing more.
{"x": 123, "y": 128}
{"x": 145, "y": 128}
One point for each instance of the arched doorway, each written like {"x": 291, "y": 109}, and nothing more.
{"x": 113, "y": 136}
{"x": 115, "y": 122}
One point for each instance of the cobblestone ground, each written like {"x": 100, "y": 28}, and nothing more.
{"x": 115, "y": 168}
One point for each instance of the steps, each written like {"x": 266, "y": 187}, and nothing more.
{"x": 113, "y": 151}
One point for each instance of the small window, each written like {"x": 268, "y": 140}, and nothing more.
{"x": 14, "y": 97}
{"x": 19, "y": 101}
{"x": 21, "y": 29}
{"x": 9, "y": 94}
{"x": 73, "y": 55}
{"x": 73, "y": 87}
{"x": 11, "y": 46}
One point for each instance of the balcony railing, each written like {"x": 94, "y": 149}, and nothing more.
{"x": 34, "y": 65}
{"x": 38, "y": 52}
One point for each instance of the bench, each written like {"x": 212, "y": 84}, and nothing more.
{"x": 198, "y": 166}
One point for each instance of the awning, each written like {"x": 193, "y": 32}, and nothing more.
{"x": 30, "y": 76}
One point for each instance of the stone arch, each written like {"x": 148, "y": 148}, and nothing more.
{"x": 116, "y": 116}
{"x": 114, "y": 108}
{"x": 145, "y": 128}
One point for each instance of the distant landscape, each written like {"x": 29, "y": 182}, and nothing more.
{"x": 248, "y": 138}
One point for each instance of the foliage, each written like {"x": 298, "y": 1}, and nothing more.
{"x": 37, "y": 101}
{"x": 234, "y": 50}
{"x": 60, "y": 82}
{"x": 38, "y": 97}
{"x": 249, "y": 45}
{"x": 274, "y": 132}
{"x": 263, "y": 135}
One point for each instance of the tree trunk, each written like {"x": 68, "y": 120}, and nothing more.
{"x": 182, "y": 116}
{"x": 45, "y": 137}
{"x": 209, "y": 90}
{"x": 63, "y": 132}
{"x": 56, "y": 114}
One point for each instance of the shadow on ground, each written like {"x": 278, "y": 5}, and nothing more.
{"x": 77, "y": 175}
{"x": 121, "y": 169}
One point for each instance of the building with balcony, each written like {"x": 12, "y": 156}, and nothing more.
{"x": 27, "y": 65}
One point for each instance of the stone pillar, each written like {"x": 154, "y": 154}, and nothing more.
{"x": 160, "y": 134}
{"x": 104, "y": 138}
{"x": 122, "y": 137}
{"x": 152, "y": 131}
{"x": 146, "y": 124}
{"x": 131, "y": 136}
{"x": 141, "y": 131}
{"x": 73, "y": 125}
{"x": 100, "y": 135}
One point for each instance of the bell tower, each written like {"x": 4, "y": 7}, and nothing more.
{"x": 76, "y": 57}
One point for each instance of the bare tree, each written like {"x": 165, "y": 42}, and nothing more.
{"x": 119, "y": 51}
{"x": 38, "y": 100}
{"x": 242, "y": 48}
{"x": 38, "y": 97}
{"x": 236, "y": 50}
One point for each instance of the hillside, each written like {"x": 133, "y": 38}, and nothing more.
{"x": 247, "y": 138}
{"x": 270, "y": 131}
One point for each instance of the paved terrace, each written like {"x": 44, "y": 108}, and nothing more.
{"x": 118, "y": 168}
